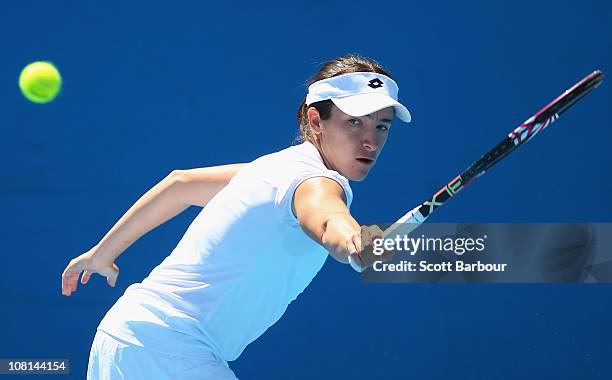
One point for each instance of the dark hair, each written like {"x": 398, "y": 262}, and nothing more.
{"x": 342, "y": 65}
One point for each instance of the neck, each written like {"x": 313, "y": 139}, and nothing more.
{"x": 317, "y": 143}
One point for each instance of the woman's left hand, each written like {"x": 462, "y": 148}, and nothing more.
{"x": 88, "y": 263}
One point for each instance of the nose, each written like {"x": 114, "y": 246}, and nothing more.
{"x": 370, "y": 141}
{"x": 369, "y": 146}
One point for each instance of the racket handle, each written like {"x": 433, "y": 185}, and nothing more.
{"x": 407, "y": 223}
{"x": 354, "y": 265}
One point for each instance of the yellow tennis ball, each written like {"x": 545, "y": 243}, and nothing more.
{"x": 40, "y": 82}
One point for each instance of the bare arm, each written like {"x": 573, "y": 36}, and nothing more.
{"x": 198, "y": 186}
{"x": 323, "y": 215}
{"x": 175, "y": 193}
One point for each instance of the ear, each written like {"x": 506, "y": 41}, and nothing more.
{"x": 314, "y": 119}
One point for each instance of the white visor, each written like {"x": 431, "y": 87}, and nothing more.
{"x": 359, "y": 94}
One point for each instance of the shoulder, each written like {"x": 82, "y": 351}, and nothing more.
{"x": 288, "y": 162}
{"x": 320, "y": 187}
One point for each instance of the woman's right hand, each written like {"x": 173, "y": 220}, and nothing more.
{"x": 361, "y": 250}
{"x": 88, "y": 263}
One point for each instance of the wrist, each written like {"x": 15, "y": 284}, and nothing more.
{"x": 98, "y": 253}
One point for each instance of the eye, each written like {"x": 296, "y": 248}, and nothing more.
{"x": 383, "y": 127}
{"x": 354, "y": 122}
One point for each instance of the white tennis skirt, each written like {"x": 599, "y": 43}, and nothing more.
{"x": 111, "y": 359}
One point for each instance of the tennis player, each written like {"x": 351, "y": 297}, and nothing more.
{"x": 265, "y": 231}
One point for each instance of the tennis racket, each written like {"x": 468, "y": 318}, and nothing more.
{"x": 519, "y": 136}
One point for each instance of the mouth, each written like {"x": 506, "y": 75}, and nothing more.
{"x": 366, "y": 161}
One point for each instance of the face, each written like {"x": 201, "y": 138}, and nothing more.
{"x": 348, "y": 144}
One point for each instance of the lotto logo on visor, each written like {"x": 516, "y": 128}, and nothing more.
{"x": 359, "y": 94}
{"x": 375, "y": 83}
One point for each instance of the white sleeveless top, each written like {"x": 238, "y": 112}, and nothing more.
{"x": 237, "y": 268}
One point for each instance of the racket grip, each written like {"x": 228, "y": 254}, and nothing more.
{"x": 407, "y": 223}
{"x": 354, "y": 265}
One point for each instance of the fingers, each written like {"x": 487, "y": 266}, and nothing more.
{"x": 370, "y": 233}
{"x": 111, "y": 278}
{"x": 85, "y": 277}
{"x": 354, "y": 246}
{"x": 355, "y": 243}
{"x": 366, "y": 236}
{"x": 360, "y": 247}
{"x": 387, "y": 254}
{"x": 377, "y": 233}
{"x": 70, "y": 278}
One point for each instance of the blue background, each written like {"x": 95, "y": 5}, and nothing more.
{"x": 149, "y": 88}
